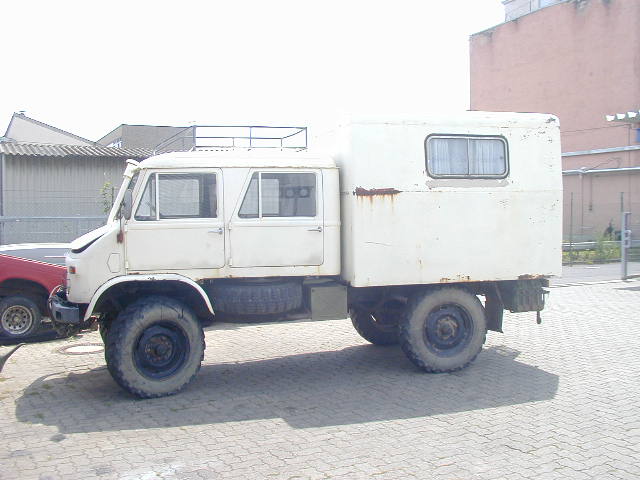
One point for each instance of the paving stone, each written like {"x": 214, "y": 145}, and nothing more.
{"x": 313, "y": 400}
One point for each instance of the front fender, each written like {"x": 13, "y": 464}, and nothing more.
{"x": 146, "y": 278}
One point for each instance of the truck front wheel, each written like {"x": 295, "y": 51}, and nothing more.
{"x": 444, "y": 330}
{"x": 154, "y": 347}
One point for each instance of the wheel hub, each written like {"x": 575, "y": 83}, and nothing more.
{"x": 161, "y": 350}
{"x": 17, "y": 319}
{"x": 447, "y": 329}
{"x": 158, "y": 349}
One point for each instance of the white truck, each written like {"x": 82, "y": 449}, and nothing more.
{"x": 422, "y": 231}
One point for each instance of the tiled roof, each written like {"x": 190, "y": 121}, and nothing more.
{"x": 50, "y": 150}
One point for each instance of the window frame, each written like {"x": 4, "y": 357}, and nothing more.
{"x": 318, "y": 185}
{"x": 467, "y": 176}
{"x": 154, "y": 176}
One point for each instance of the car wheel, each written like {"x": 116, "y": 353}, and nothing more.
{"x": 19, "y": 317}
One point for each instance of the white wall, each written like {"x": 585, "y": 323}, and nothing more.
{"x": 24, "y": 130}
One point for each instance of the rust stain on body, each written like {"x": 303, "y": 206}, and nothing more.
{"x": 372, "y": 192}
{"x": 529, "y": 277}
{"x": 460, "y": 278}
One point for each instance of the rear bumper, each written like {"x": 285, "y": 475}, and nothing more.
{"x": 63, "y": 311}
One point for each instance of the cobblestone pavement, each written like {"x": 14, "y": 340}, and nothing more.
{"x": 312, "y": 400}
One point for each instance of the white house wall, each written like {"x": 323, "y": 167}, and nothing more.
{"x": 24, "y": 130}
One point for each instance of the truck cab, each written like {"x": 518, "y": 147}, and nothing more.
{"x": 208, "y": 215}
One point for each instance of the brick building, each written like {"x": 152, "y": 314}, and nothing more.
{"x": 577, "y": 59}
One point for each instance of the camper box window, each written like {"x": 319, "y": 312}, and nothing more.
{"x": 460, "y": 156}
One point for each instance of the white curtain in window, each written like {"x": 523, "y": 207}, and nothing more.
{"x": 179, "y": 196}
{"x": 447, "y": 156}
{"x": 270, "y": 196}
{"x": 486, "y": 157}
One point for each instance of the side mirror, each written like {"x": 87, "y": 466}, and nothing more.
{"x": 127, "y": 204}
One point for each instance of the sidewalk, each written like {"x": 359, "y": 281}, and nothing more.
{"x": 593, "y": 273}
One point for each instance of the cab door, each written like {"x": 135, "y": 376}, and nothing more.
{"x": 279, "y": 221}
{"x": 178, "y": 223}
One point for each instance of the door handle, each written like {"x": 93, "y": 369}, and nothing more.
{"x": 317, "y": 229}
{"x": 219, "y": 230}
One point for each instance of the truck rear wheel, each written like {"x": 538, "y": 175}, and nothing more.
{"x": 444, "y": 330}
{"x": 154, "y": 347}
{"x": 378, "y": 329}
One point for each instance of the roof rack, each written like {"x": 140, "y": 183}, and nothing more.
{"x": 214, "y": 137}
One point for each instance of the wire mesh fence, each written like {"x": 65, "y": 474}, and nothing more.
{"x": 46, "y": 229}
{"x": 588, "y": 219}
{"x": 54, "y": 203}
{"x": 46, "y": 215}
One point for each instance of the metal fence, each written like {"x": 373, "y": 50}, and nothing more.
{"x": 46, "y": 229}
{"x": 44, "y": 215}
{"x": 592, "y": 220}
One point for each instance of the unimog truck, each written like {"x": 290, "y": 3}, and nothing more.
{"x": 422, "y": 231}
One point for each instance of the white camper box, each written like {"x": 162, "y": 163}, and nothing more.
{"x": 400, "y": 225}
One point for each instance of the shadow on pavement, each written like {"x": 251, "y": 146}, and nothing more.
{"x": 631, "y": 289}
{"x": 44, "y": 334}
{"x": 354, "y": 385}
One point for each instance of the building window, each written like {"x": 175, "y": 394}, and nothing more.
{"x": 548, "y": 3}
{"x": 179, "y": 196}
{"x": 280, "y": 195}
{"x": 459, "y": 156}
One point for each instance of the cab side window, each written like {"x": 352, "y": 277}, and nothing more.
{"x": 175, "y": 196}
{"x": 147, "y": 206}
{"x": 280, "y": 195}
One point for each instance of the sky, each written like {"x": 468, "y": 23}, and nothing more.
{"x": 89, "y": 66}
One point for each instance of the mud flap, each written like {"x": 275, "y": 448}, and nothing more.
{"x": 494, "y": 311}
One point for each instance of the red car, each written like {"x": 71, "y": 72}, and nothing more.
{"x": 24, "y": 289}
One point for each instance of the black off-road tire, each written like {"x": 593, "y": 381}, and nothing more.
{"x": 429, "y": 319}
{"x": 104, "y": 325}
{"x": 103, "y": 328}
{"x": 20, "y": 317}
{"x": 379, "y": 331}
{"x": 137, "y": 326}
{"x": 257, "y": 298}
